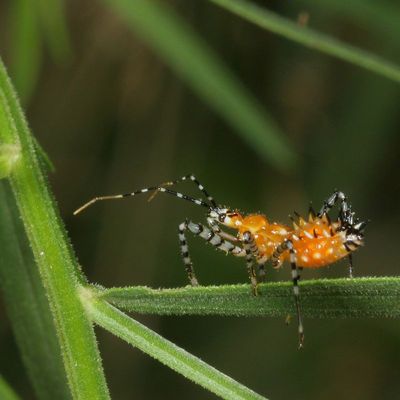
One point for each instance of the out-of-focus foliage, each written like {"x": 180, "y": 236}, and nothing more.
{"x": 116, "y": 118}
{"x": 197, "y": 65}
{"x": 300, "y": 33}
{"x": 32, "y": 23}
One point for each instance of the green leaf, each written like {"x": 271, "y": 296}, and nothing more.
{"x": 325, "y": 298}
{"x": 163, "y": 350}
{"x": 9, "y": 155}
{"x": 25, "y": 47}
{"x": 43, "y": 156}
{"x": 33, "y": 20}
{"x": 27, "y": 306}
{"x": 6, "y": 392}
{"x": 54, "y": 27}
{"x": 380, "y": 17}
{"x": 310, "y": 38}
{"x": 59, "y": 271}
{"x": 191, "y": 58}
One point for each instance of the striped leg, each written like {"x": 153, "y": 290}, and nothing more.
{"x": 193, "y": 179}
{"x": 211, "y": 237}
{"x": 350, "y": 257}
{"x": 156, "y": 189}
{"x": 287, "y": 245}
{"x": 187, "y": 261}
{"x": 251, "y": 250}
{"x": 213, "y": 224}
{"x": 345, "y": 214}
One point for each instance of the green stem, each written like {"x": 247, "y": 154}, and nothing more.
{"x": 53, "y": 254}
{"x": 163, "y": 350}
{"x": 27, "y": 307}
{"x": 325, "y": 298}
{"x": 310, "y": 38}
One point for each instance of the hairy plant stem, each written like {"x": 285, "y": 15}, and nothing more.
{"x": 53, "y": 254}
{"x": 141, "y": 337}
{"x": 323, "y": 298}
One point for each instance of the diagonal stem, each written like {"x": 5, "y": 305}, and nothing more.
{"x": 310, "y": 38}
{"x": 141, "y": 337}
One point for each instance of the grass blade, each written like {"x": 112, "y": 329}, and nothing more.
{"x": 6, "y": 392}
{"x": 54, "y": 27}
{"x": 325, "y": 298}
{"x": 310, "y": 38}
{"x": 381, "y": 17}
{"x": 26, "y": 47}
{"x": 27, "y": 306}
{"x": 57, "y": 266}
{"x": 204, "y": 72}
{"x": 163, "y": 350}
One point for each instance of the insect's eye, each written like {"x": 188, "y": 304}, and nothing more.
{"x": 222, "y": 217}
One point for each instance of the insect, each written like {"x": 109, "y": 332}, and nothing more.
{"x": 312, "y": 243}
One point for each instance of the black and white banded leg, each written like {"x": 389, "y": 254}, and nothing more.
{"x": 156, "y": 189}
{"x": 287, "y": 245}
{"x": 211, "y": 237}
{"x": 345, "y": 213}
{"x": 187, "y": 261}
{"x": 213, "y": 224}
{"x": 350, "y": 257}
{"x": 192, "y": 178}
{"x": 251, "y": 249}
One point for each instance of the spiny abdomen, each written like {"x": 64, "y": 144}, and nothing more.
{"x": 318, "y": 242}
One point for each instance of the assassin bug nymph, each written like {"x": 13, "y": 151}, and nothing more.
{"x": 312, "y": 243}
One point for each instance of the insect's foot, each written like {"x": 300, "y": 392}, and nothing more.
{"x": 194, "y": 282}
{"x": 254, "y": 290}
{"x": 301, "y": 340}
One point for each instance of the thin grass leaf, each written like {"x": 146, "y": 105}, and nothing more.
{"x": 54, "y": 28}
{"x": 382, "y": 18}
{"x": 58, "y": 268}
{"x": 325, "y": 298}
{"x": 27, "y": 306}
{"x": 190, "y": 57}
{"x": 163, "y": 350}
{"x": 43, "y": 157}
{"x": 310, "y": 38}
{"x": 26, "y": 49}
{"x": 6, "y": 392}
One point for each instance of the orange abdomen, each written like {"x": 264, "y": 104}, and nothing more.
{"x": 317, "y": 243}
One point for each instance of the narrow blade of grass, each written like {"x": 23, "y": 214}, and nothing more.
{"x": 27, "y": 306}
{"x": 382, "y": 18}
{"x": 190, "y": 57}
{"x": 325, "y": 298}
{"x": 59, "y": 271}
{"x": 25, "y": 46}
{"x": 6, "y": 392}
{"x": 310, "y": 38}
{"x": 163, "y": 350}
{"x": 54, "y": 28}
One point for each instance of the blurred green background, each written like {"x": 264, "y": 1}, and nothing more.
{"x": 116, "y": 113}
